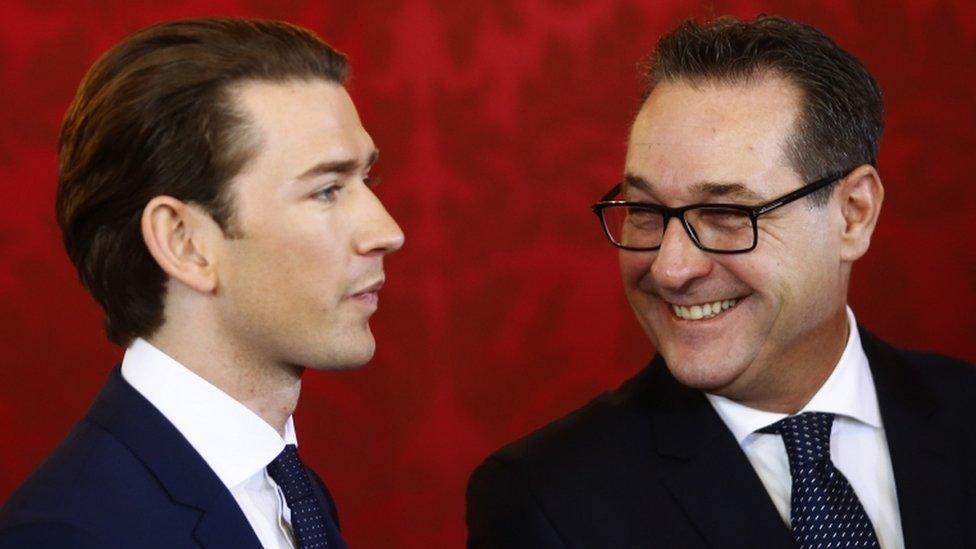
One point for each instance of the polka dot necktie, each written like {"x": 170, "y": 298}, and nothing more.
{"x": 824, "y": 509}
{"x": 308, "y": 519}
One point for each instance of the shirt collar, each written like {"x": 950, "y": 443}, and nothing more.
{"x": 849, "y": 392}
{"x": 234, "y": 441}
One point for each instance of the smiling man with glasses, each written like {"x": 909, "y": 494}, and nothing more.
{"x": 769, "y": 418}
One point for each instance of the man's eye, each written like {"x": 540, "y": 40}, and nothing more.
{"x": 371, "y": 181}
{"x": 328, "y": 194}
{"x": 644, "y": 219}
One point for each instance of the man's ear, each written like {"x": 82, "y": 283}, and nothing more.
{"x": 180, "y": 237}
{"x": 859, "y": 195}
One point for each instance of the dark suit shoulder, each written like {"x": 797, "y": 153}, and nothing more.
{"x": 951, "y": 383}
{"x": 91, "y": 485}
{"x": 588, "y": 432}
{"x": 83, "y": 465}
{"x": 502, "y": 512}
{"x": 945, "y": 368}
{"x": 940, "y": 380}
{"x": 576, "y": 481}
{"x": 48, "y": 535}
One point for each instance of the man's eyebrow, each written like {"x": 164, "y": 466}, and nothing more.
{"x": 715, "y": 189}
{"x": 709, "y": 189}
{"x": 339, "y": 166}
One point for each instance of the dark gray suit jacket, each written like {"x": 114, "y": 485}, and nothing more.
{"x": 652, "y": 465}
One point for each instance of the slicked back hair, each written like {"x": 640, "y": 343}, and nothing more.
{"x": 155, "y": 115}
{"x": 842, "y": 114}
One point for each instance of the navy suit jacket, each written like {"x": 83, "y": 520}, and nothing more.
{"x": 125, "y": 477}
{"x": 651, "y": 464}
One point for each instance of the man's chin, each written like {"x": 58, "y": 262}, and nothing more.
{"x": 339, "y": 366}
{"x": 348, "y": 354}
{"x": 709, "y": 372}
{"x": 349, "y": 360}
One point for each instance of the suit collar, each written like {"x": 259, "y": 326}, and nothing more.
{"x": 709, "y": 475}
{"x": 920, "y": 442}
{"x": 236, "y": 443}
{"x": 127, "y": 415}
{"x": 706, "y": 471}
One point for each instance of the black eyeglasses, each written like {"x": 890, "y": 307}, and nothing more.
{"x": 716, "y": 228}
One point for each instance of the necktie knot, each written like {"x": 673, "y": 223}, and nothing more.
{"x": 806, "y": 436}
{"x": 288, "y": 472}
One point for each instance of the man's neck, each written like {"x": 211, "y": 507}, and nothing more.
{"x": 269, "y": 390}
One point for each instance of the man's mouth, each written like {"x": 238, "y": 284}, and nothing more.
{"x": 373, "y": 288}
{"x": 369, "y": 294}
{"x": 703, "y": 311}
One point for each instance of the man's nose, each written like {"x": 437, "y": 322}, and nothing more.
{"x": 678, "y": 260}
{"x": 379, "y": 234}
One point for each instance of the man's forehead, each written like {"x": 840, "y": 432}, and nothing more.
{"x": 299, "y": 112}
{"x": 713, "y": 140}
{"x": 301, "y": 129}
{"x": 295, "y": 105}
{"x": 752, "y": 112}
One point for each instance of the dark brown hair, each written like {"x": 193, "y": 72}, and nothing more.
{"x": 842, "y": 117}
{"x": 155, "y": 116}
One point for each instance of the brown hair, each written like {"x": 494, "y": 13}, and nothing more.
{"x": 155, "y": 116}
{"x": 840, "y": 123}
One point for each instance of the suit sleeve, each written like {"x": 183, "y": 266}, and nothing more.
{"x": 502, "y": 513}
{"x": 47, "y": 535}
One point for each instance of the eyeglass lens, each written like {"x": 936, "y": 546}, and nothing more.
{"x": 715, "y": 228}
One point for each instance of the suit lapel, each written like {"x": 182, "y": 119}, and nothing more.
{"x": 923, "y": 456}
{"x": 182, "y": 472}
{"x": 222, "y": 524}
{"x": 708, "y": 474}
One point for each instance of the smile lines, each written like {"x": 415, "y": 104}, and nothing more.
{"x": 703, "y": 311}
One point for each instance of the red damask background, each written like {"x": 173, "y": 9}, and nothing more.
{"x": 500, "y": 123}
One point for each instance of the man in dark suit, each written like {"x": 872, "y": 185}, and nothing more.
{"x": 769, "y": 418}
{"x": 214, "y": 195}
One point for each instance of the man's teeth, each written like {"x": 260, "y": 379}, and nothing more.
{"x": 707, "y": 310}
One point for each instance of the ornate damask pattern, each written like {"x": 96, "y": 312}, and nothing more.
{"x": 499, "y": 121}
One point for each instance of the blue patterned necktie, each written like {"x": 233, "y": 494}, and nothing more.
{"x": 824, "y": 509}
{"x": 308, "y": 519}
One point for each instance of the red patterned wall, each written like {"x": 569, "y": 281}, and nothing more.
{"x": 500, "y": 122}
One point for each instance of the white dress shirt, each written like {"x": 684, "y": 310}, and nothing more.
{"x": 234, "y": 441}
{"x": 858, "y": 447}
